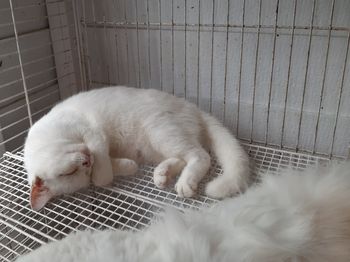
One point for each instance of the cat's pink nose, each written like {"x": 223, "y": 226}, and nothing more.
{"x": 88, "y": 160}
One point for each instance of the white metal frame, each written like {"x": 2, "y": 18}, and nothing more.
{"x": 132, "y": 202}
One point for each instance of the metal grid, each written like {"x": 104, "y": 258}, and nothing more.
{"x": 130, "y": 204}
{"x": 210, "y": 52}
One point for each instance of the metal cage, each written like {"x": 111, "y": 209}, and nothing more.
{"x": 275, "y": 72}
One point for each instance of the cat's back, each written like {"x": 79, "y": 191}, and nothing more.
{"x": 115, "y": 110}
{"x": 126, "y": 103}
{"x": 69, "y": 112}
{"x": 97, "y": 98}
{"x": 119, "y": 97}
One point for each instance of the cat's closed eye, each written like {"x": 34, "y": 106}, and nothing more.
{"x": 69, "y": 174}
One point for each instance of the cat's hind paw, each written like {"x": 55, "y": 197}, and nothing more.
{"x": 221, "y": 188}
{"x": 184, "y": 189}
{"x": 166, "y": 170}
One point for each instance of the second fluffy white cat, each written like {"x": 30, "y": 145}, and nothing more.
{"x": 288, "y": 218}
{"x": 93, "y": 135}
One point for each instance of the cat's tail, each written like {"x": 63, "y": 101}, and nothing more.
{"x": 232, "y": 158}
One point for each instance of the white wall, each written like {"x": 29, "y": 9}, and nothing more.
{"x": 285, "y": 83}
{"x": 39, "y": 54}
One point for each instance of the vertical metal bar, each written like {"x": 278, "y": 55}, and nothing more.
{"x": 240, "y": 67}
{"x": 138, "y": 45}
{"x": 78, "y": 36}
{"x": 108, "y": 46}
{"x": 160, "y": 43}
{"x": 108, "y": 52}
{"x": 117, "y": 57}
{"x": 95, "y": 30}
{"x": 149, "y": 47}
{"x": 212, "y": 58}
{"x": 89, "y": 81}
{"x": 225, "y": 83}
{"x": 21, "y": 64}
{"x": 172, "y": 43}
{"x": 55, "y": 18}
{"x": 339, "y": 98}
{"x": 306, "y": 72}
{"x": 116, "y": 46}
{"x": 255, "y": 69}
{"x": 99, "y": 66}
{"x": 324, "y": 75}
{"x": 198, "y": 49}
{"x": 126, "y": 44}
{"x": 272, "y": 70}
{"x": 288, "y": 76}
{"x": 185, "y": 49}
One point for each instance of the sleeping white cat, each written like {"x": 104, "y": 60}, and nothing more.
{"x": 289, "y": 218}
{"x": 93, "y": 135}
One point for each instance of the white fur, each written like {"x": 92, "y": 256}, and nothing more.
{"x": 292, "y": 217}
{"x": 146, "y": 126}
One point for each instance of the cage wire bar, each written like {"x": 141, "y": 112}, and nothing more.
{"x": 275, "y": 72}
{"x": 21, "y": 65}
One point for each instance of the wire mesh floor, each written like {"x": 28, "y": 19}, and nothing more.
{"x": 130, "y": 203}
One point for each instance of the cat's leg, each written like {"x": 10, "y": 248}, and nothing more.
{"x": 123, "y": 166}
{"x": 166, "y": 170}
{"x": 171, "y": 140}
{"x": 102, "y": 172}
{"x": 198, "y": 163}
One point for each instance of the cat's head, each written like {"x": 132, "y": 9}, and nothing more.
{"x": 60, "y": 168}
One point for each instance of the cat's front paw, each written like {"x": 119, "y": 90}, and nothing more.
{"x": 124, "y": 166}
{"x": 185, "y": 189}
{"x": 160, "y": 176}
{"x": 129, "y": 167}
{"x": 101, "y": 179}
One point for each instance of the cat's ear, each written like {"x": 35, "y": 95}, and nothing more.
{"x": 39, "y": 194}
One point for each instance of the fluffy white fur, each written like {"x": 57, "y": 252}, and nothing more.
{"x": 94, "y": 134}
{"x": 292, "y": 217}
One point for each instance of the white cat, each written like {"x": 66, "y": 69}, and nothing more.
{"x": 302, "y": 217}
{"x": 94, "y": 134}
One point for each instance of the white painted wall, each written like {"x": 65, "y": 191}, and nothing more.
{"x": 285, "y": 83}
{"x": 45, "y": 62}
